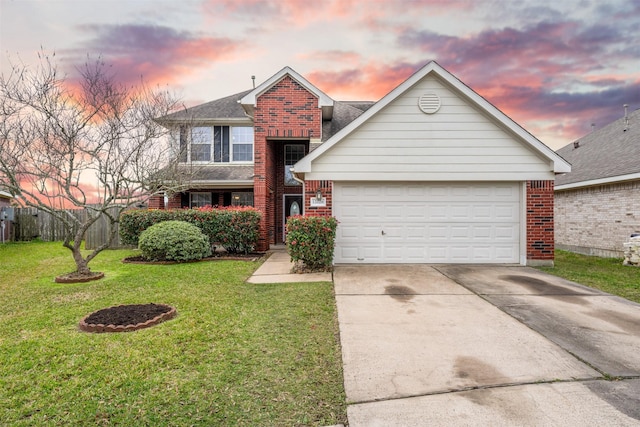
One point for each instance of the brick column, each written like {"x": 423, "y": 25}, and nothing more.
{"x": 540, "y": 232}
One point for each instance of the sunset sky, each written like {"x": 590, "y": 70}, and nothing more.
{"x": 555, "y": 67}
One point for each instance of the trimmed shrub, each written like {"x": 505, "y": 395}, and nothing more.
{"x": 236, "y": 229}
{"x": 134, "y": 222}
{"x": 233, "y": 228}
{"x": 174, "y": 241}
{"x": 310, "y": 239}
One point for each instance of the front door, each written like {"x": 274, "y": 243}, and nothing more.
{"x": 292, "y": 206}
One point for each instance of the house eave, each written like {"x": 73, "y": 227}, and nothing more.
{"x": 600, "y": 181}
{"x": 209, "y": 121}
{"x": 205, "y": 184}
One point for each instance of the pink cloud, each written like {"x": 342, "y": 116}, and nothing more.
{"x": 158, "y": 54}
{"x": 290, "y": 12}
{"x": 367, "y": 82}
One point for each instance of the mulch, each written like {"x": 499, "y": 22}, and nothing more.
{"x": 139, "y": 259}
{"x": 127, "y": 318}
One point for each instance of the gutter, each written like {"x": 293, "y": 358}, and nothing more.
{"x": 600, "y": 181}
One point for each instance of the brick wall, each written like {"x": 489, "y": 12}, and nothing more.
{"x": 310, "y": 191}
{"x": 287, "y": 111}
{"x": 597, "y": 220}
{"x": 540, "y": 224}
{"x": 156, "y": 202}
{"x": 175, "y": 201}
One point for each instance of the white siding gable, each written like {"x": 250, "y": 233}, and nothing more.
{"x": 457, "y": 143}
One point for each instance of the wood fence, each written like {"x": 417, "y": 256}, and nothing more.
{"x": 32, "y": 223}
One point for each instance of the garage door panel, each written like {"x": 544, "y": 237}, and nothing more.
{"x": 416, "y": 222}
{"x": 346, "y": 232}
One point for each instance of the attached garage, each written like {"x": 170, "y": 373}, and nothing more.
{"x": 427, "y": 222}
{"x": 433, "y": 173}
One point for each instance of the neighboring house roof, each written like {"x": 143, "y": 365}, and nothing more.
{"x": 609, "y": 154}
{"x": 557, "y": 163}
{"x": 5, "y": 195}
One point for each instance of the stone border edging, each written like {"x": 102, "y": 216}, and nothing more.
{"x": 100, "y": 328}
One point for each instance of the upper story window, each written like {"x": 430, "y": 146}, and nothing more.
{"x": 242, "y": 144}
{"x": 292, "y": 153}
{"x": 218, "y": 144}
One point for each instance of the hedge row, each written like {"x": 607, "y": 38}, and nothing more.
{"x": 233, "y": 228}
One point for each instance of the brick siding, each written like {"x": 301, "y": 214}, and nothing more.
{"x": 540, "y": 223}
{"x": 287, "y": 111}
{"x": 175, "y": 201}
{"x": 311, "y": 187}
{"x": 597, "y": 220}
{"x": 156, "y": 202}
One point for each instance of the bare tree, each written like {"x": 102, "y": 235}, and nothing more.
{"x": 87, "y": 143}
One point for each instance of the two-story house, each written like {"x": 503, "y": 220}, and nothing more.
{"x": 432, "y": 172}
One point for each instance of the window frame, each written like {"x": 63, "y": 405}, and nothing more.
{"x": 288, "y": 176}
{"x": 239, "y": 196}
{"x": 199, "y": 193}
{"x": 222, "y": 146}
{"x": 206, "y": 138}
{"x": 250, "y": 141}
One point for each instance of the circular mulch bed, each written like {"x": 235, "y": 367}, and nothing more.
{"x": 127, "y": 318}
{"x": 78, "y": 277}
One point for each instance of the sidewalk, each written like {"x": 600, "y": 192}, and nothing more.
{"x": 277, "y": 269}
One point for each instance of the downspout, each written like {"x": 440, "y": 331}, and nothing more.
{"x": 304, "y": 188}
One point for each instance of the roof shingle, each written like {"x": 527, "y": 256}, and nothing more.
{"x": 605, "y": 153}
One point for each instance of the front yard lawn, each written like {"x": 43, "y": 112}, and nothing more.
{"x": 236, "y": 354}
{"x": 606, "y": 274}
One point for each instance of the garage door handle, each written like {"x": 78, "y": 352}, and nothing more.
{"x": 383, "y": 233}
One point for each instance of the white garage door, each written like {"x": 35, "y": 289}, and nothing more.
{"x": 427, "y": 223}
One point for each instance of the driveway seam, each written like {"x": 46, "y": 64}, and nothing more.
{"x": 483, "y": 387}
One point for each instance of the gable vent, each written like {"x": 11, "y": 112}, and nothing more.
{"x": 429, "y": 103}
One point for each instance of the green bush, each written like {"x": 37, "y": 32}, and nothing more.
{"x": 174, "y": 241}
{"x": 233, "y": 228}
{"x": 134, "y": 222}
{"x": 310, "y": 239}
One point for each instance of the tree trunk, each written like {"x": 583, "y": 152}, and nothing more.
{"x": 82, "y": 265}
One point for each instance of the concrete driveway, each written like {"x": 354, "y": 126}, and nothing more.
{"x": 430, "y": 345}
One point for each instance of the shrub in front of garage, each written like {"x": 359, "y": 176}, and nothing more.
{"x": 310, "y": 241}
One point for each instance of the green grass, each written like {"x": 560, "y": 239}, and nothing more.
{"x": 236, "y": 354}
{"x": 606, "y": 274}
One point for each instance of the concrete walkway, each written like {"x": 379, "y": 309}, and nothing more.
{"x": 277, "y": 269}
{"x": 484, "y": 346}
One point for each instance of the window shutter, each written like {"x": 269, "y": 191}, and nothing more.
{"x": 183, "y": 144}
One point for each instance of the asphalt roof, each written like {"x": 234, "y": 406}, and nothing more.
{"x": 604, "y": 153}
{"x": 220, "y": 172}
{"x": 223, "y": 108}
